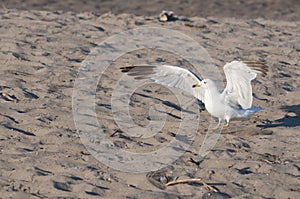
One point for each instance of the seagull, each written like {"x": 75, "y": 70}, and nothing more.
{"x": 233, "y": 103}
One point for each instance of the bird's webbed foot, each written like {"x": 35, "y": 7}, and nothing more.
{"x": 226, "y": 124}
{"x": 215, "y": 128}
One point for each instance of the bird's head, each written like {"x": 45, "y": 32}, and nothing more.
{"x": 205, "y": 82}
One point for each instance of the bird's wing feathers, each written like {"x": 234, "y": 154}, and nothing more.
{"x": 239, "y": 75}
{"x": 166, "y": 75}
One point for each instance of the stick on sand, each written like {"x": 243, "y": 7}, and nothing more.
{"x": 192, "y": 180}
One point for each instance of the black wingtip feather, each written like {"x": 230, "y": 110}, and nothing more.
{"x": 258, "y": 66}
{"x": 127, "y": 69}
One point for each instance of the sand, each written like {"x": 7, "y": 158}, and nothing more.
{"x": 275, "y": 9}
{"x": 41, "y": 151}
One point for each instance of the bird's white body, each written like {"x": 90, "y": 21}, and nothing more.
{"x": 213, "y": 100}
{"x": 217, "y": 104}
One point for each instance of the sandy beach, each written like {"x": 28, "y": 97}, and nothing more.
{"x": 45, "y": 46}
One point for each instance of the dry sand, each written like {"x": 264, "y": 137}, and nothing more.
{"x": 41, "y": 152}
{"x": 270, "y": 9}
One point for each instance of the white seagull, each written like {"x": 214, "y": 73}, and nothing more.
{"x": 233, "y": 103}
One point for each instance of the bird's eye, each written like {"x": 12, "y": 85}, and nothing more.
{"x": 204, "y": 82}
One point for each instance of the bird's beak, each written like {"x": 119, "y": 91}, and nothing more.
{"x": 196, "y": 85}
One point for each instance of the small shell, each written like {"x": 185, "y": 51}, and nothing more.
{"x": 163, "y": 17}
{"x": 166, "y": 16}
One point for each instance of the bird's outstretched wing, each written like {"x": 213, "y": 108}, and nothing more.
{"x": 239, "y": 75}
{"x": 166, "y": 75}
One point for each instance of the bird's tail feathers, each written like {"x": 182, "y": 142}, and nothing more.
{"x": 249, "y": 111}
